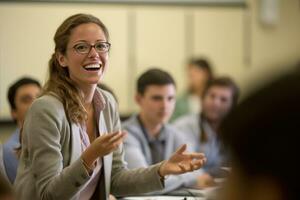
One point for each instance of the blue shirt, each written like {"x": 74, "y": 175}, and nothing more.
{"x": 10, "y": 158}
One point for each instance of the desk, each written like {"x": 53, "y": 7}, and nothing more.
{"x": 181, "y": 194}
{"x": 163, "y": 198}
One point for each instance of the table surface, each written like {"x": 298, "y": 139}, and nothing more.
{"x": 164, "y": 198}
{"x": 182, "y": 194}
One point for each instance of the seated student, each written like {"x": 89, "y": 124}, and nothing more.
{"x": 199, "y": 72}
{"x": 262, "y": 135}
{"x": 200, "y": 130}
{"x": 20, "y": 96}
{"x": 151, "y": 139}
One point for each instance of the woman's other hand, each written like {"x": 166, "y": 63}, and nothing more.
{"x": 101, "y": 146}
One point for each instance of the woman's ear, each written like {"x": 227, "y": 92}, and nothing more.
{"x": 62, "y": 60}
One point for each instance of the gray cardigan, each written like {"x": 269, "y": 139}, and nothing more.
{"x": 50, "y": 165}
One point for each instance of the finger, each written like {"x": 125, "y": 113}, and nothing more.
{"x": 181, "y": 149}
{"x": 120, "y": 133}
{"x": 110, "y": 147}
{"x": 106, "y": 137}
{"x": 117, "y": 132}
{"x": 180, "y": 165}
{"x": 192, "y": 166}
{"x": 115, "y": 145}
{"x": 197, "y": 164}
{"x": 185, "y": 168}
{"x": 195, "y": 155}
{"x": 117, "y": 140}
{"x": 204, "y": 160}
{"x": 119, "y": 136}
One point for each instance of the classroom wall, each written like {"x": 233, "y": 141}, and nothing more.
{"x": 273, "y": 48}
{"x": 233, "y": 38}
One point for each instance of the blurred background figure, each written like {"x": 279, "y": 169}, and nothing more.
{"x": 262, "y": 134}
{"x": 20, "y": 95}
{"x": 200, "y": 130}
{"x": 199, "y": 72}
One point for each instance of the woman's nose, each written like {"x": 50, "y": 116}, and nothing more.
{"x": 93, "y": 52}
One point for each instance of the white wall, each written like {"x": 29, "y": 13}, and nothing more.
{"x": 142, "y": 36}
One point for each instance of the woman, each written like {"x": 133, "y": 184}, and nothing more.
{"x": 71, "y": 146}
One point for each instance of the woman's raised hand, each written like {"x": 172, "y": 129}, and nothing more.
{"x": 101, "y": 146}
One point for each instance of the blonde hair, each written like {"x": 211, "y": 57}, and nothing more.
{"x": 59, "y": 82}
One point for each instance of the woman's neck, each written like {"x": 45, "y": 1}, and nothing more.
{"x": 88, "y": 94}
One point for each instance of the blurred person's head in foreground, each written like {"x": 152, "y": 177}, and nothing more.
{"x": 262, "y": 135}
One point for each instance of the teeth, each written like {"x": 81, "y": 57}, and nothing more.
{"x": 92, "y": 66}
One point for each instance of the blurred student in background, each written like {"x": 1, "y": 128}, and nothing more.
{"x": 262, "y": 135}
{"x": 20, "y": 96}
{"x": 201, "y": 130}
{"x": 151, "y": 139}
{"x": 199, "y": 73}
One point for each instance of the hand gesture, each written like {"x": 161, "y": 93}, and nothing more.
{"x": 182, "y": 162}
{"x": 102, "y": 145}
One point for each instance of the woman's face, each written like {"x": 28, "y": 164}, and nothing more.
{"x": 85, "y": 69}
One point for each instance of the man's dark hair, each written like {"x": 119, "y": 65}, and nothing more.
{"x": 153, "y": 76}
{"x": 11, "y": 94}
{"x": 224, "y": 82}
{"x": 202, "y": 63}
{"x": 262, "y": 133}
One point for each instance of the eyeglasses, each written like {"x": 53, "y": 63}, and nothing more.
{"x": 85, "y": 48}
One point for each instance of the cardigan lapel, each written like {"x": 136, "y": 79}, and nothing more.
{"x": 76, "y": 145}
{"x": 107, "y": 160}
